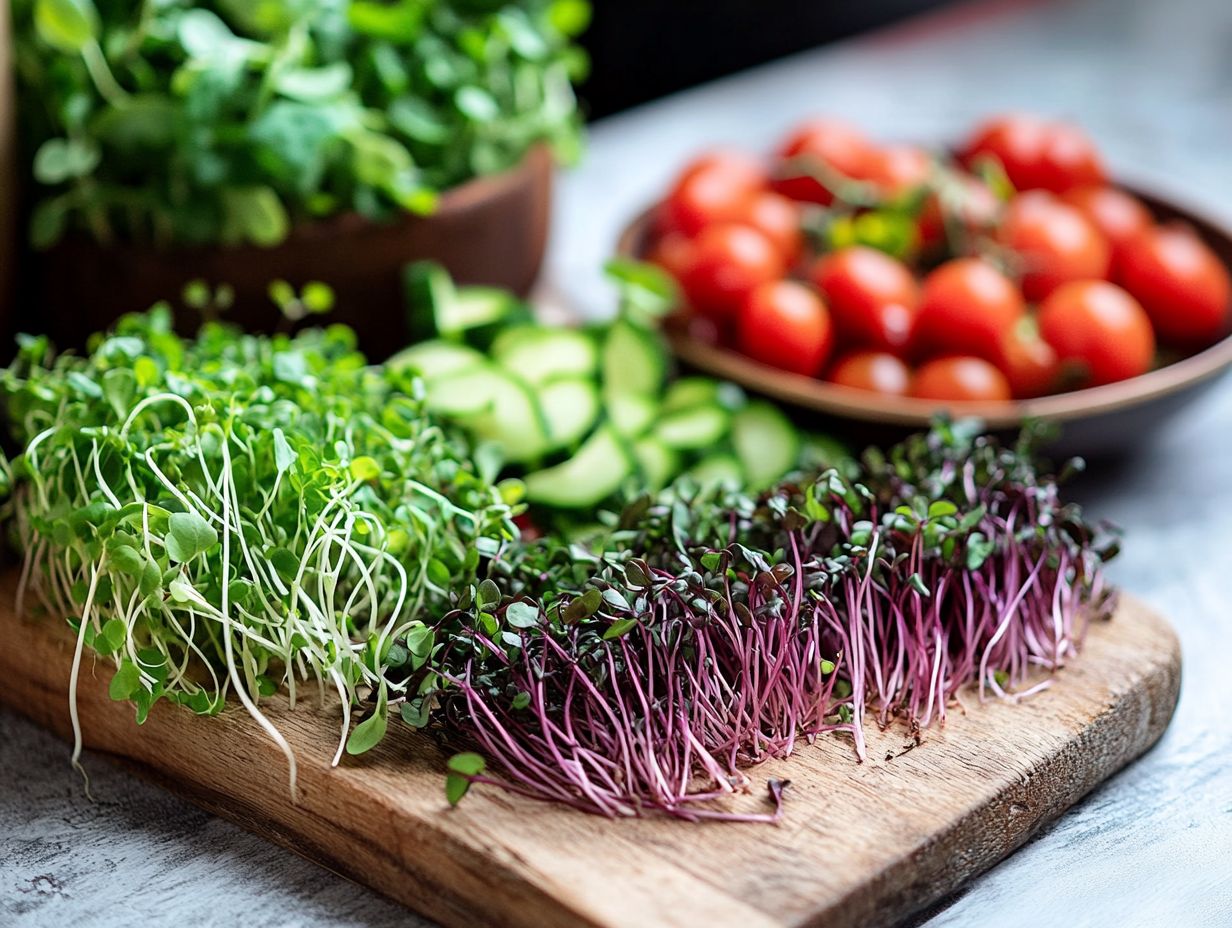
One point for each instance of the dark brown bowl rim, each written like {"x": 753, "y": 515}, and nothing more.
{"x": 818, "y": 395}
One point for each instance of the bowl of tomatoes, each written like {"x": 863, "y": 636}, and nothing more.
{"x": 1009, "y": 278}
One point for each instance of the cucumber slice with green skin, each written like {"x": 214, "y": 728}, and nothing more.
{"x": 634, "y": 360}
{"x": 476, "y": 308}
{"x": 437, "y": 358}
{"x": 594, "y": 473}
{"x": 538, "y": 354}
{"x": 690, "y": 429}
{"x": 658, "y": 463}
{"x": 717, "y": 470}
{"x": 493, "y": 405}
{"x": 570, "y": 407}
{"x": 766, "y": 442}
{"x": 688, "y": 392}
{"x": 439, "y": 308}
{"x": 631, "y": 413}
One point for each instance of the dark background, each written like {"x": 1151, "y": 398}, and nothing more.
{"x": 642, "y": 49}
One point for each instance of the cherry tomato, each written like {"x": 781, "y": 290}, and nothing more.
{"x": 728, "y": 261}
{"x": 1101, "y": 326}
{"x": 778, "y": 218}
{"x": 960, "y": 378}
{"x": 1118, "y": 215}
{"x": 1055, "y": 242}
{"x": 1029, "y": 363}
{"x": 1037, "y": 153}
{"x": 895, "y": 170}
{"x": 838, "y": 145}
{"x": 786, "y": 325}
{"x": 713, "y": 189}
{"x": 967, "y": 306}
{"x": 672, "y": 252}
{"x": 976, "y": 209}
{"x": 878, "y": 371}
{"x": 872, "y": 296}
{"x": 1181, "y": 283}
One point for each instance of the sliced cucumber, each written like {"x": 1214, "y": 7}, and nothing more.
{"x": 439, "y": 308}
{"x": 634, "y": 360}
{"x": 594, "y": 473}
{"x": 464, "y": 393}
{"x": 631, "y": 413}
{"x": 540, "y": 353}
{"x": 494, "y": 406}
{"x": 717, "y": 470}
{"x": 477, "y": 307}
{"x": 699, "y": 427}
{"x": 570, "y": 407}
{"x": 688, "y": 392}
{"x": 766, "y": 442}
{"x": 657, "y": 462}
{"x": 437, "y": 358}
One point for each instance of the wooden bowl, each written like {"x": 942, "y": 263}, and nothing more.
{"x": 491, "y": 230}
{"x": 1095, "y": 422}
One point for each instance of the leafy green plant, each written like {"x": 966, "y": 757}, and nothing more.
{"x": 239, "y": 514}
{"x": 186, "y": 121}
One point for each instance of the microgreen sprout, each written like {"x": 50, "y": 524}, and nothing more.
{"x": 238, "y": 514}
{"x": 644, "y": 669}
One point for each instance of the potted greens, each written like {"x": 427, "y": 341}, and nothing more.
{"x": 236, "y": 141}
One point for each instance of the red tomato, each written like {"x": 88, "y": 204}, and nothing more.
{"x": 728, "y": 262}
{"x": 1029, "y": 363}
{"x": 1115, "y": 213}
{"x": 839, "y": 145}
{"x": 743, "y": 170}
{"x": 1055, "y": 242}
{"x": 1037, "y": 153}
{"x": 786, "y": 325}
{"x": 713, "y": 189}
{"x": 672, "y": 252}
{"x": 967, "y": 307}
{"x": 976, "y": 210}
{"x": 778, "y": 218}
{"x": 878, "y": 371}
{"x": 1101, "y": 326}
{"x": 872, "y": 296}
{"x": 964, "y": 379}
{"x": 1181, "y": 283}
{"x": 895, "y": 170}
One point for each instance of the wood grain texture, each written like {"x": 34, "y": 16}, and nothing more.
{"x": 861, "y": 844}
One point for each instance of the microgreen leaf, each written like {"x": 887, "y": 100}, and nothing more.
{"x": 368, "y": 733}
{"x": 522, "y": 615}
{"x": 126, "y": 682}
{"x": 188, "y": 535}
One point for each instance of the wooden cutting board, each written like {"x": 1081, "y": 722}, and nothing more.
{"x": 860, "y": 845}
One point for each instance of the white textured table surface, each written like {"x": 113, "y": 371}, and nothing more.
{"x": 1152, "y": 79}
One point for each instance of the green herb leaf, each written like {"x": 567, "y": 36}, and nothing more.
{"x": 522, "y": 615}
{"x": 368, "y": 733}
{"x": 619, "y": 628}
{"x": 468, "y": 764}
{"x": 126, "y": 682}
{"x": 188, "y": 536}
{"x": 67, "y": 25}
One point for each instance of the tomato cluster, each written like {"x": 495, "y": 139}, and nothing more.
{"x": 1011, "y": 270}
